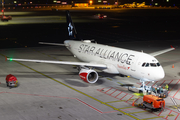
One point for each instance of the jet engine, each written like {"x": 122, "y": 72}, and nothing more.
{"x": 88, "y": 75}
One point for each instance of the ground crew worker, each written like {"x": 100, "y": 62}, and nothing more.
{"x": 158, "y": 89}
{"x": 153, "y": 89}
{"x": 167, "y": 87}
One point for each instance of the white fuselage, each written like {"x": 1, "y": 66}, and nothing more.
{"x": 118, "y": 60}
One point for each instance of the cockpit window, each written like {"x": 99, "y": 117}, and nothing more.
{"x": 158, "y": 64}
{"x": 153, "y": 64}
{"x": 147, "y": 65}
{"x": 143, "y": 64}
{"x": 150, "y": 64}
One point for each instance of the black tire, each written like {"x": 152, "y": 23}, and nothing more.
{"x": 144, "y": 106}
{"x": 140, "y": 91}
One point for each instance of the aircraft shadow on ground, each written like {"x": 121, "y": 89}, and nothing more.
{"x": 174, "y": 86}
{"x": 81, "y": 83}
{"x": 76, "y": 83}
{"x": 178, "y": 73}
{"x": 103, "y": 74}
{"x": 70, "y": 76}
{"x": 61, "y": 54}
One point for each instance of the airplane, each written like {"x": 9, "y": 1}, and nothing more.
{"x": 114, "y": 60}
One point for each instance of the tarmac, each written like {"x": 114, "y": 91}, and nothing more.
{"x": 53, "y": 92}
{"x": 56, "y": 92}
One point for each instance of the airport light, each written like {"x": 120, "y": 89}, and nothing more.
{"x": 167, "y": 0}
{"x": 90, "y": 2}
{"x": 15, "y": 2}
{"x": 104, "y": 2}
{"x": 64, "y": 3}
{"x": 54, "y": 1}
{"x": 10, "y": 59}
{"x": 2, "y": 7}
{"x": 58, "y": 1}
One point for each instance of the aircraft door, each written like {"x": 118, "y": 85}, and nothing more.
{"x": 133, "y": 69}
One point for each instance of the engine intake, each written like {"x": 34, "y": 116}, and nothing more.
{"x": 88, "y": 75}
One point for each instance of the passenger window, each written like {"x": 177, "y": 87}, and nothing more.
{"x": 143, "y": 64}
{"x": 147, "y": 64}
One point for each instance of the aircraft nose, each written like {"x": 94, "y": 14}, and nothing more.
{"x": 159, "y": 74}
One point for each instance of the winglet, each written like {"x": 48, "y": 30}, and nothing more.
{"x": 172, "y": 47}
{"x": 162, "y": 51}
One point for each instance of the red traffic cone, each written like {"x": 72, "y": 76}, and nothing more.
{"x": 133, "y": 103}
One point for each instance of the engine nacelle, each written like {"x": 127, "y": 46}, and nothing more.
{"x": 88, "y": 75}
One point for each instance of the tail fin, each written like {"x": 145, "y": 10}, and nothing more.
{"x": 71, "y": 28}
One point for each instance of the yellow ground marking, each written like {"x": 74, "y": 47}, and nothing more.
{"x": 76, "y": 90}
{"x": 119, "y": 83}
{"x": 170, "y": 115}
{"x": 109, "y": 79}
{"x": 152, "y": 118}
{"x": 126, "y": 107}
{"x": 130, "y": 99}
{"x": 138, "y": 94}
{"x": 174, "y": 106}
{"x": 138, "y": 112}
{"x": 116, "y": 101}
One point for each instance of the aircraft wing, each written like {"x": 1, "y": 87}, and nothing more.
{"x": 162, "y": 51}
{"x": 45, "y": 43}
{"x": 61, "y": 62}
